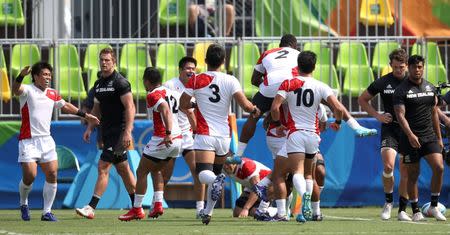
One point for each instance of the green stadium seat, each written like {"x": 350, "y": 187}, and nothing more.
{"x": 357, "y": 79}
{"x": 5, "y": 88}
{"x": 381, "y": 53}
{"x": 272, "y": 45}
{"x": 435, "y": 74}
{"x": 243, "y": 69}
{"x": 430, "y": 51}
{"x": 2, "y": 59}
{"x": 167, "y": 58}
{"x": 322, "y": 51}
{"x": 92, "y": 55}
{"x": 134, "y": 58}
{"x": 11, "y": 13}
{"x": 67, "y": 71}
{"x": 24, "y": 55}
{"x": 351, "y": 54}
{"x": 172, "y": 12}
{"x": 327, "y": 74}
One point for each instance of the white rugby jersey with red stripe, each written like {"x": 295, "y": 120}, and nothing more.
{"x": 177, "y": 88}
{"x": 277, "y": 65}
{"x": 272, "y": 129}
{"x": 247, "y": 169}
{"x": 154, "y": 99}
{"x": 303, "y": 96}
{"x": 36, "y": 109}
{"x": 213, "y": 92}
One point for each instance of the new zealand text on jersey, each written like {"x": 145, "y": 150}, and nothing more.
{"x": 421, "y": 94}
{"x": 104, "y": 89}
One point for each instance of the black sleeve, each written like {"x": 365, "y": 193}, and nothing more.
{"x": 89, "y": 102}
{"x": 375, "y": 87}
{"x": 122, "y": 86}
{"x": 398, "y": 98}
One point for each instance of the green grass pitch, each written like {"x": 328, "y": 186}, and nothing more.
{"x": 182, "y": 221}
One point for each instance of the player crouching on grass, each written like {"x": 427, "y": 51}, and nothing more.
{"x": 165, "y": 143}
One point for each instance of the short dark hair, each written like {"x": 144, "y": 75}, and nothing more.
{"x": 399, "y": 55}
{"x": 109, "y": 50}
{"x": 185, "y": 60}
{"x": 306, "y": 61}
{"x": 38, "y": 67}
{"x": 288, "y": 40}
{"x": 152, "y": 75}
{"x": 415, "y": 59}
{"x": 215, "y": 55}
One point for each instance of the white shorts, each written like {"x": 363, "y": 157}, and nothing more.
{"x": 188, "y": 141}
{"x": 37, "y": 149}
{"x": 218, "y": 144}
{"x": 157, "y": 149}
{"x": 303, "y": 142}
{"x": 276, "y": 145}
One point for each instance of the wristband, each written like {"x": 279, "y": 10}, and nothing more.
{"x": 254, "y": 110}
{"x": 276, "y": 123}
{"x": 81, "y": 113}
{"x": 19, "y": 79}
{"x": 193, "y": 105}
{"x": 168, "y": 132}
{"x": 338, "y": 122}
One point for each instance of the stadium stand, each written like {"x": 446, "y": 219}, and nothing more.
{"x": 429, "y": 50}
{"x": 167, "y": 58}
{"x": 322, "y": 50}
{"x": 243, "y": 70}
{"x": 380, "y": 58}
{"x": 91, "y": 60}
{"x": 375, "y": 12}
{"x": 327, "y": 74}
{"x": 199, "y": 53}
{"x": 351, "y": 53}
{"x": 11, "y": 13}
{"x": 172, "y": 12}
{"x": 134, "y": 58}
{"x": 4, "y": 83}
{"x": 435, "y": 74}
{"x": 357, "y": 79}
{"x": 23, "y": 55}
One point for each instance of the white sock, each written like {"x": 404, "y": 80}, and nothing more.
{"x": 309, "y": 186}
{"x": 49, "y": 193}
{"x": 352, "y": 123}
{"x": 206, "y": 177}
{"x": 263, "y": 206}
{"x": 299, "y": 184}
{"x": 159, "y": 195}
{"x": 199, "y": 205}
{"x": 241, "y": 148}
{"x": 24, "y": 190}
{"x": 281, "y": 207}
{"x": 138, "y": 198}
{"x": 289, "y": 201}
{"x": 315, "y": 207}
{"x": 209, "y": 202}
{"x": 265, "y": 182}
{"x": 321, "y": 188}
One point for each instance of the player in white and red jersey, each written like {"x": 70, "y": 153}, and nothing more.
{"x": 303, "y": 97}
{"x": 186, "y": 66}
{"x": 272, "y": 68}
{"x": 36, "y": 146}
{"x": 165, "y": 143}
{"x": 248, "y": 173}
{"x": 213, "y": 91}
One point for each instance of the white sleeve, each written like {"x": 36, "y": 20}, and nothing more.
{"x": 260, "y": 68}
{"x": 235, "y": 85}
{"x": 322, "y": 113}
{"x": 60, "y": 103}
{"x": 26, "y": 90}
{"x": 155, "y": 107}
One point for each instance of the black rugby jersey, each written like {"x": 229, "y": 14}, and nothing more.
{"x": 108, "y": 92}
{"x": 386, "y": 86}
{"x": 419, "y": 101}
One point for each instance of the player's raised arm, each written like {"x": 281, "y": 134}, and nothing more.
{"x": 17, "y": 88}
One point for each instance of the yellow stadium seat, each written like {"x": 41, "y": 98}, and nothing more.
{"x": 386, "y": 70}
{"x": 5, "y": 89}
{"x": 375, "y": 12}
{"x": 199, "y": 53}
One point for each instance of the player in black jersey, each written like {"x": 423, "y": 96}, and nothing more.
{"x": 415, "y": 105}
{"x": 114, "y": 104}
{"x": 390, "y": 131}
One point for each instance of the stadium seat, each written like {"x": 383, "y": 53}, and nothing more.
{"x": 357, "y": 79}
{"x": 66, "y": 160}
{"x": 2, "y": 59}
{"x": 67, "y": 71}
{"x": 351, "y": 53}
{"x": 381, "y": 53}
{"x": 199, "y": 54}
{"x": 134, "y": 58}
{"x": 430, "y": 51}
{"x": 172, "y": 12}
{"x": 242, "y": 65}
{"x": 386, "y": 70}
{"x": 375, "y": 13}
{"x": 167, "y": 58}
{"x": 91, "y": 58}
{"x": 4, "y": 83}
{"x": 435, "y": 74}
{"x": 327, "y": 74}
{"x": 23, "y": 55}
{"x": 272, "y": 45}
{"x": 11, "y": 13}
{"x": 322, "y": 50}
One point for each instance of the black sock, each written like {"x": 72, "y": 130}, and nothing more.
{"x": 389, "y": 197}
{"x": 94, "y": 201}
{"x": 434, "y": 200}
{"x": 415, "y": 207}
{"x": 402, "y": 203}
{"x": 131, "y": 198}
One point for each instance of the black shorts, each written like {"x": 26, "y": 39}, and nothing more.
{"x": 390, "y": 136}
{"x": 110, "y": 142}
{"x": 412, "y": 155}
{"x": 263, "y": 103}
{"x": 156, "y": 160}
{"x": 240, "y": 202}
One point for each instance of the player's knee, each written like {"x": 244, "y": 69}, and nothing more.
{"x": 217, "y": 168}
{"x": 388, "y": 173}
{"x": 51, "y": 176}
{"x": 438, "y": 169}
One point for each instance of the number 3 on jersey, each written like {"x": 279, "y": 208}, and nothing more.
{"x": 215, "y": 92}
{"x": 172, "y": 102}
{"x": 306, "y": 97}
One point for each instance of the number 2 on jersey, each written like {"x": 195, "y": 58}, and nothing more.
{"x": 306, "y": 97}
{"x": 215, "y": 92}
{"x": 172, "y": 102}
{"x": 283, "y": 54}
